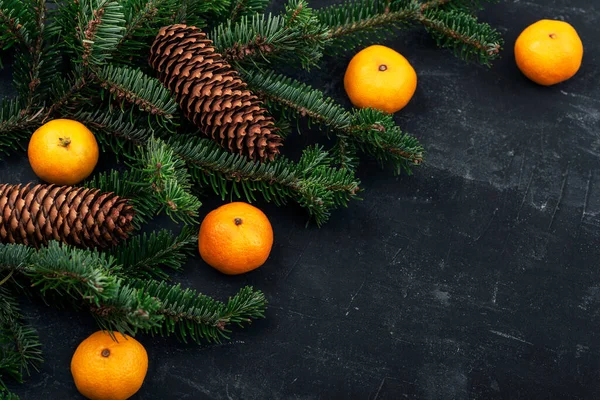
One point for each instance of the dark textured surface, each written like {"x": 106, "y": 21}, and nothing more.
{"x": 477, "y": 278}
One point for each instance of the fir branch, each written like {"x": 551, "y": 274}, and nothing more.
{"x": 376, "y": 133}
{"x": 71, "y": 272}
{"x": 130, "y": 85}
{"x": 140, "y": 13}
{"x": 169, "y": 181}
{"x": 65, "y": 91}
{"x": 344, "y": 154}
{"x": 469, "y": 39}
{"x": 28, "y": 71}
{"x": 288, "y": 95}
{"x": 246, "y": 7}
{"x": 311, "y": 182}
{"x": 15, "y": 21}
{"x": 191, "y": 314}
{"x": 144, "y": 256}
{"x": 127, "y": 310}
{"x": 87, "y": 278}
{"x": 366, "y": 16}
{"x": 15, "y": 334}
{"x": 16, "y": 122}
{"x": 371, "y": 131}
{"x": 101, "y": 27}
{"x": 143, "y": 19}
{"x": 156, "y": 182}
{"x": 116, "y": 130}
{"x": 296, "y": 35}
{"x": 452, "y": 28}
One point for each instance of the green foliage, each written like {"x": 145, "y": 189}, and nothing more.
{"x": 127, "y": 310}
{"x": 20, "y": 347}
{"x": 169, "y": 181}
{"x": 191, "y": 314}
{"x": 144, "y": 256}
{"x": 132, "y": 86}
{"x": 295, "y": 35}
{"x": 239, "y": 8}
{"x": 101, "y": 26}
{"x": 371, "y": 131}
{"x": 156, "y": 182}
{"x": 464, "y": 34}
{"x": 143, "y": 18}
{"x": 375, "y": 132}
{"x": 17, "y": 24}
{"x": 95, "y": 281}
{"x": 116, "y": 131}
{"x": 449, "y": 22}
{"x": 311, "y": 182}
{"x": 15, "y": 123}
{"x": 366, "y": 18}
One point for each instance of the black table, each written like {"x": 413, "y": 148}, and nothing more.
{"x": 475, "y": 278}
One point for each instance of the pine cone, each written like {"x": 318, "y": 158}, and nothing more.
{"x": 35, "y": 215}
{"x": 211, "y": 94}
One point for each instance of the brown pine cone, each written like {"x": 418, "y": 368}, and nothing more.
{"x": 211, "y": 94}
{"x": 35, "y": 215}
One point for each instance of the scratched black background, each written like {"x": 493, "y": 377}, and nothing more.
{"x": 476, "y": 278}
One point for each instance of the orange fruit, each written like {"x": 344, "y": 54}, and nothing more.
{"x": 235, "y": 238}
{"x": 63, "y": 152}
{"x": 549, "y": 52}
{"x": 105, "y": 369}
{"x": 379, "y": 77}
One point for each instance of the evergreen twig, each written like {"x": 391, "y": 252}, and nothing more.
{"x": 130, "y": 85}
{"x": 191, "y": 314}
{"x": 246, "y": 7}
{"x": 16, "y": 121}
{"x": 168, "y": 180}
{"x": 15, "y": 21}
{"x": 374, "y": 132}
{"x": 20, "y": 347}
{"x": 294, "y": 35}
{"x": 144, "y": 256}
{"x": 101, "y": 27}
{"x": 311, "y": 182}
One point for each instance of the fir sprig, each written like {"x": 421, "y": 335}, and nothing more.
{"x": 464, "y": 34}
{"x": 92, "y": 279}
{"x": 115, "y": 130}
{"x": 15, "y": 22}
{"x": 169, "y": 181}
{"x": 191, "y": 314}
{"x": 366, "y": 16}
{"x": 16, "y": 120}
{"x": 127, "y": 310}
{"x": 448, "y": 21}
{"x": 373, "y": 132}
{"x": 144, "y": 256}
{"x": 311, "y": 182}
{"x": 20, "y": 347}
{"x": 132, "y": 86}
{"x": 101, "y": 27}
{"x": 157, "y": 181}
{"x": 241, "y": 8}
{"x": 294, "y": 35}
{"x": 141, "y": 19}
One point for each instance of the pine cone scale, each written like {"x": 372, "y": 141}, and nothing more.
{"x": 211, "y": 93}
